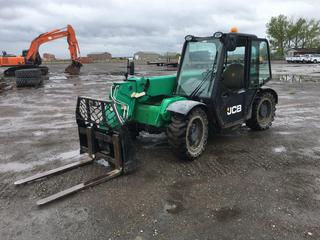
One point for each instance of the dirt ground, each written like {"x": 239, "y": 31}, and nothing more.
{"x": 247, "y": 185}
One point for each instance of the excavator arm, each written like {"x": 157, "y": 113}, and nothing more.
{"x": 74, "y": 49}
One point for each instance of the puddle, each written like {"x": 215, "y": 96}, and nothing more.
{"x": 286, "y": 133}
{"x": 19, "y": 167}
{"x": 14, "y": 167}
{"x": 38, "y": 133}
{"x": 279, "y": 149}
{"x": 173, "y": 207}
{"x": 58, "y": 77}
{"x": 67, "y": 155}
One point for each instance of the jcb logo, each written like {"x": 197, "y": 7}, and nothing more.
{"x": 234, "y": 109}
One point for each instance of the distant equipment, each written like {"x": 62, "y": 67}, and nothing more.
{"x": 31, "y": 58}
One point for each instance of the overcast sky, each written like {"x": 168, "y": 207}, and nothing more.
{"x": 123, "y": 27}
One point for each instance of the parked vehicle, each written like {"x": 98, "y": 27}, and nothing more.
{"x": 314, "y": 58}
{"x": 305, "y": 58}
{"x": 294, "y": 59}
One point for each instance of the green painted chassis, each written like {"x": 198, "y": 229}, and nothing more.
{"x": 137, "y": 100}
{"x": 144, "y": 100}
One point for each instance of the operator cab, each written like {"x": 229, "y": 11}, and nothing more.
{"x": 224, "y": 71}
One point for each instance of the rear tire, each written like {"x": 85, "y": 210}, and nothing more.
{"x": 188, "y": 135}
{"x": 28, "y": 77}
{"x": 263, "y": 112}
{"x": 28, "y": 73}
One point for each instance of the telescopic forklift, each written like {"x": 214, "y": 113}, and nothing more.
{"x": 31, "y": 58}
{"x": 219, "y": 85}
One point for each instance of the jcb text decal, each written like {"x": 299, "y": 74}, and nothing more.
{"x": 234, "y": 109}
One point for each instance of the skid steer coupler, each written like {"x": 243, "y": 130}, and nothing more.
{"x": 103, "y": 136}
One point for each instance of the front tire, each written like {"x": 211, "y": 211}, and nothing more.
{"x": 263, "y": 112}
{"x": 188, "y": 135}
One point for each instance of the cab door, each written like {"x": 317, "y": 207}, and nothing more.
{"x": 233, "y": 84}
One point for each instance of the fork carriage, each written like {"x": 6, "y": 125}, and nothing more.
{"x": 96, "y": 139}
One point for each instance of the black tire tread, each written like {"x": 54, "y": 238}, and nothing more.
{"x": 176, "y": 133}
{"x": 253, "y": 122}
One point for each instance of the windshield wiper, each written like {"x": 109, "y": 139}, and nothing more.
{"x": 204, "y": 79}
{"x": 196, "y": 92}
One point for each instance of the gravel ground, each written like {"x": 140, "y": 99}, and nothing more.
{"x": 247, "y": 185}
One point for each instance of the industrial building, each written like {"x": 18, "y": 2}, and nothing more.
{"x": 104, "y": 56}
{"x": 146, "y": 56}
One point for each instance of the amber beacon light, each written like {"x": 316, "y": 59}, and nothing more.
{"x": 234, "y": 30}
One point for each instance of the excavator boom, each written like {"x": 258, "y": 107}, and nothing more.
{"x": 51, "y": 36}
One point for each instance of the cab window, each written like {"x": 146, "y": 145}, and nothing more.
{"x": 259, "y": 67}
{"x": 233, "y": 74}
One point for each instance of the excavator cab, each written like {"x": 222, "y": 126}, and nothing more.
{"x": 24, "y": 53}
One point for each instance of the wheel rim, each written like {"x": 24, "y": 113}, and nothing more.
{"x": 195, "y": 133}
{"x": 265, "y": 110}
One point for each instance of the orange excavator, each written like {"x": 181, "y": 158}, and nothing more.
{"x": 31, "y": 58}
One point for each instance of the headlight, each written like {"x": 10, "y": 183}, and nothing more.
{"x": 189, "y": 38}
{"x": 217, "y": 34}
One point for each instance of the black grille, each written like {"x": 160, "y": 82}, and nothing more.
{"x": 93, "y": 112}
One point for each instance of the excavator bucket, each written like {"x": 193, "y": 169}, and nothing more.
{"x": 74, "y": 68}
{"x": 99, "y": 138}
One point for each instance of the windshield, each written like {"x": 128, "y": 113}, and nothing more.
{"x": 198, "y": 68}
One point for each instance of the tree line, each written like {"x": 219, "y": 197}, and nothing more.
{"x": 285, "y": 33}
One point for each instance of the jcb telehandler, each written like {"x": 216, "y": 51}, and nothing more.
{"x": 218, "y": 85}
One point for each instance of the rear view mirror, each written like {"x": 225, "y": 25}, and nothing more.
{"x": 130, "y": 68}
